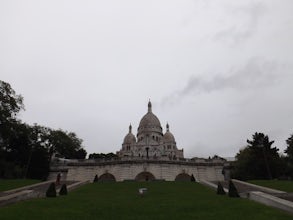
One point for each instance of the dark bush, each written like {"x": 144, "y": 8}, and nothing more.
{"x": 192, "y": 179}
{"x": 63, "y": 190}
{"x": 232, "y": 190}
{"x": 220, "y": 189}
{"x": 96, "y": 178}
{"x": 51, "y": 191}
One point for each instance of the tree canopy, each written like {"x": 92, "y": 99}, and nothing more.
{"x": 289, "y": 149}
{"x": 107, "y": 156}
{"x": 10, "y": 102}
{"x": 258, "y": 160}
{"x": 289, "y": 152}
{"x": 26, "y": 150}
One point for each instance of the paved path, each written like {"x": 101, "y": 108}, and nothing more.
{"x": 244, "y": 188}
{"x": 28, "y": 192}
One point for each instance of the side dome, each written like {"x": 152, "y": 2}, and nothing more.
{"x": 168, "y": 136}
{"x": 129, "y": 138}
{"x": 149, "y": 122}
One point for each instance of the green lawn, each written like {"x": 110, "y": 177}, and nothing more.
{"x": 164, "y": 200}
{"x": 283, "y": 185}
{"x": 15, "y": 183}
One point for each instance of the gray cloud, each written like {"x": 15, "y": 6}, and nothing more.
{"x": 237, "y": 31}
{"x": 91, "y": 67}
{"x": 255, "y": 74}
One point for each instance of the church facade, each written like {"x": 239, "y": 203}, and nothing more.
{"x": 150, "y": 155}
{"x": 150, "y": 142}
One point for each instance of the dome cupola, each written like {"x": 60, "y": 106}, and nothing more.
{"x": 129, "y": 138}
{"x": 149, "y": 122}
{"x": 168, "y": 136}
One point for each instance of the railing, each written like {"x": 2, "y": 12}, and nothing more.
{"x": 64, "y": 162}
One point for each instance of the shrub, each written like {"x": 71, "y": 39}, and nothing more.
{"x": 232, "y": 190}
{"x": 192, "y": 179}
{"x": 96, "y": 178}
{"x": 220, "y": 189}
{"x": 51, "y": 191}
{"x": 63, "y": 190}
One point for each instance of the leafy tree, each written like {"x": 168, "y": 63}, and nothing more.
{"x": 25, "y": 151}
{"x": 17, "y": 149}
{"x": 259, "y": 160}
{"x": 39, "y": 158}
{"x": 80, "y": 154}
{"x": 66, "y": 144}
{"x": 289, "y": 152}
{"x": 289, "y": 149}
{"x": 10, "y": 102}
{"x": 107, "y": 156}
{"x": 10, "y": 105}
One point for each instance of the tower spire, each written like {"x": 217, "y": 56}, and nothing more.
{"x": 130, "y": 128}
{"x": 167, "y": 126}
{"x": 149, "y": 106}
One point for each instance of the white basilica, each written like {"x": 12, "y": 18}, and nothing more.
{"x": 151, "y": 155}
{"x": 150, "y": 142}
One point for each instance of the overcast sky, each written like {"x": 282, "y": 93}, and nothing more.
{"x": 217, "y": 71}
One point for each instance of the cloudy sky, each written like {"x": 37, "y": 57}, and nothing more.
{"x": 217, "y": 71}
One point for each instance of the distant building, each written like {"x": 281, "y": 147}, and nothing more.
{"x": 150, "y": 143}
{"x": 151, "y": 155}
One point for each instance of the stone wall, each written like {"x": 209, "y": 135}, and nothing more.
{"x": 128, "y": 170}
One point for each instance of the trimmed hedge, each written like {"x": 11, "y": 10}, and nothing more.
{"x": 220, "y": 189}
{"x": 51, "y": 191}
{"x": 96, "y": 178}
{"x": 232, "y": 190}
{"x": 192, "y": 179}
{"x": 63, "y": 190}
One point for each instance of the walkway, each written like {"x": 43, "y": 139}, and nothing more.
{"x": 245, "y": 188}
{"x": 34, "y": 191}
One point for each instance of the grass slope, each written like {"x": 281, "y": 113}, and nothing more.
{"x": 283, "y": 185}
{"x": 15, "y": 183}
{"x": 164, "y": 200}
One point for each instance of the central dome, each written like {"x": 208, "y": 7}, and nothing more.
{"x": 149, "y": 122}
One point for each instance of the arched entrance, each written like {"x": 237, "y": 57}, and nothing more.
{"x": 183, "y": 177}
{"x": 107, "y": 177}
{"x": 144, "y": 176}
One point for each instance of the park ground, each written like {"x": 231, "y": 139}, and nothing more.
{"x": 163, "y": 200}
{"x": 15, "y": 183}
